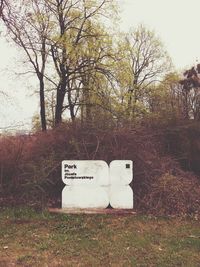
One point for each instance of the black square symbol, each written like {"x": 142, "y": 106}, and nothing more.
{"x": 127, "y": 166}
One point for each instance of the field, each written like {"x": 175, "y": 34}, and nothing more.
{"x": 29, "y": 238}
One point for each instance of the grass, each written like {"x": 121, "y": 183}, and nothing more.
{"x": 29, "y": 238}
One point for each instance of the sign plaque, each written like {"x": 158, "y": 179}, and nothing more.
{"x": 94, "y": 184}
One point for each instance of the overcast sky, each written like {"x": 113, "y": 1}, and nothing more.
{"x": 176, "y": 22}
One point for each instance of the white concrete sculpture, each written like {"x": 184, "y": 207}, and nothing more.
{"x": 92, "y": 184}
{"x": 85, "y": 172}
{"x": 121, "y": 175}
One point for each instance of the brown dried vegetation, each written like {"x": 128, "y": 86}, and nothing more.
{"x": 31, "y": 167}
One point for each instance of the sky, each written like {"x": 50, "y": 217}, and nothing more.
{"x": 176, "y": 22}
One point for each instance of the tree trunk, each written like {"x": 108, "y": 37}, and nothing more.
{"x": 71, "y": 107}
{"x": 186, "y": 105}
{"x": 129, "y": 107}
{"x": 59, "y": 106}
{"x": 42, "y": 106}
{"x": 61, "y": 91}
{"x": 88, "y": 106}
{"x": 132, "y": 100}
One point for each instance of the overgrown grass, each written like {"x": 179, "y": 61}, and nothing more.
{"x": 29, "y": 238}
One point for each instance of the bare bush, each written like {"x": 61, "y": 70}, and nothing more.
{"x": 172, "y": 195}
{"x": 31, "y": 167}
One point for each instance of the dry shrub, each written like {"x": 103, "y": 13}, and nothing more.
{"x": 11, "y": 150}
{"x": 172, "y": 195}
{"x": 183, "y": 143}
{"x": 35, "y": 163}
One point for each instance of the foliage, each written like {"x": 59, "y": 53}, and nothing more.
{"x": 64, "y": 42}
{"x": 165, "y": 98}
{"x": 120, "y": 96}
{"x": 182, "y": 142}
{"x": 142, "y": 62}
{"x": 31, "y": 173}
{"x": 80, "y": 65}
{"x": 191, "y": 93}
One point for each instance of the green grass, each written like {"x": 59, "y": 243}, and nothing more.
{"x": 28, "y": 238}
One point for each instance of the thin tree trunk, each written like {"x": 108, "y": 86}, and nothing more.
{"x": 71, "y": 107}
{"x": 88, "y": 111}
{"x": 42, "y": 106}
{"x": 59, "y": 106}
{"x": 61, "y": 91}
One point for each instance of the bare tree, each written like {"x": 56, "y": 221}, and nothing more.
{"x": 147, "y": 61}
{"x": 75, "y": 31}
{"x": 67, "y": 33}
{"x": 28, "y": 25}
